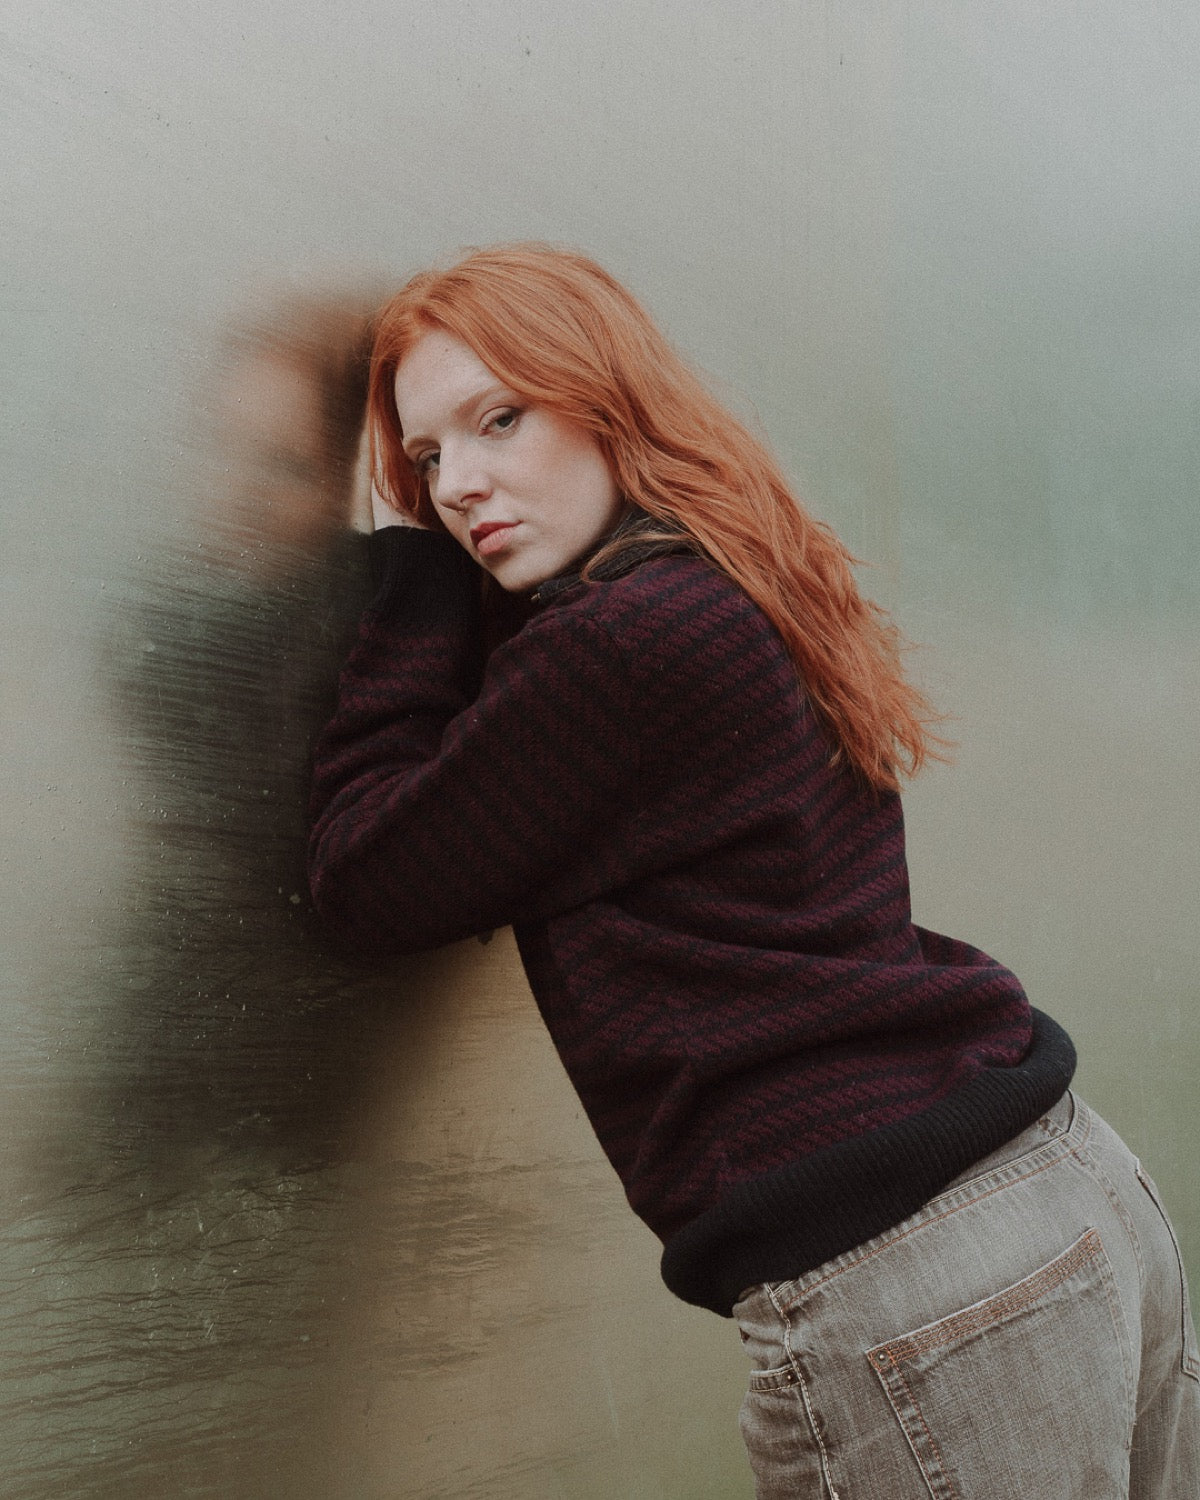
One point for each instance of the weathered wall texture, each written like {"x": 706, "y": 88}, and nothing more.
{"x": 273, "y": 1227}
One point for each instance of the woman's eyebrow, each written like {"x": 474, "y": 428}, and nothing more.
{"x": 463, "y": 407}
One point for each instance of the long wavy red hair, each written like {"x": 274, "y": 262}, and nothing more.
{"x": 560, "y": 331}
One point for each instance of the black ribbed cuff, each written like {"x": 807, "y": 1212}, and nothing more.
{"x": 422, "y": 575}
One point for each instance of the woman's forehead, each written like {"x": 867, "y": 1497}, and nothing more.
{"x": 437, "y": 379}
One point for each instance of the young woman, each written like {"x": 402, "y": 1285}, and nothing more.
{"x": 677, "y": 780}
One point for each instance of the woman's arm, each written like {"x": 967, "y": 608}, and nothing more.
{"x": 445, "y": 805}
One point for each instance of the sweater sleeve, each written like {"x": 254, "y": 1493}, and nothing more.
{"x": 444, "y": 804}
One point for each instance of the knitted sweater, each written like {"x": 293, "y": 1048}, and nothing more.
{"x": 714, "y": 920}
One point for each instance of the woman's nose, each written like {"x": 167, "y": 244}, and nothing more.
{"x": 461, "y": 478}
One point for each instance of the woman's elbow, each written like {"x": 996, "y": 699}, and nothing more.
{"x": 364, "y": 923}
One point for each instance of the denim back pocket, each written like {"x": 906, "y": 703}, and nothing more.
{"x": 1049, "y": 1354}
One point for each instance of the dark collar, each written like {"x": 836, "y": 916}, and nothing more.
{"x": 643, "y": 538}
{"x": 547, "y": 592}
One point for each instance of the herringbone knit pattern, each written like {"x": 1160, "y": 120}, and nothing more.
{"x": 714, "y": 920}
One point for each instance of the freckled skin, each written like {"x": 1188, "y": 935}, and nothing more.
{"x": 492, "y": 459}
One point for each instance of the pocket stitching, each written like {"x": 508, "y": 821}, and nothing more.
{"x": 994, "y": 1309}
{"x": 778, "y": 1378}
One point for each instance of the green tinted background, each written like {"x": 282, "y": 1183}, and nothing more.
{"x": 945, "y": 256}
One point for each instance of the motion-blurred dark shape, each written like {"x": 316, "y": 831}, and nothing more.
{"x": 223, "y": 665}
{"x": 171, "y": 1268}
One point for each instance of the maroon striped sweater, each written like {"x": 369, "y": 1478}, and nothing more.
{"x": 714, "y": 921}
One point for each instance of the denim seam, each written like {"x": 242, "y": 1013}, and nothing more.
{"x": 941, "y": 1478}
{"x": 1129, "y": 1359}
{"x": 814, "y": 1425}
{"x": 1189, "y": 1362}
{"x": 1094, "y": 1170}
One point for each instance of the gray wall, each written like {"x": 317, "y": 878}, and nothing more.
{"x": 272, "y": 1227}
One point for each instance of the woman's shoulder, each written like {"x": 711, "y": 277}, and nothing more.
{"x": 680, "y": 614}
{"x": 674, "y": 590}
{"x": 680, "y": 580}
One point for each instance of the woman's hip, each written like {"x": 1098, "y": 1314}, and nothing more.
{"x": 1028, "y": 1297}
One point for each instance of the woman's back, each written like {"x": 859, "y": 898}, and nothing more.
{"x": 712, "y": 914}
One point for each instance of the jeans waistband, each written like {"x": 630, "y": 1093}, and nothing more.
{"x": 1068, "y": 1123}
{"x": 1058, "y": 1132}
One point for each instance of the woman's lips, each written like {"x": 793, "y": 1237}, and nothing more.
{"x": 492, "y": 536}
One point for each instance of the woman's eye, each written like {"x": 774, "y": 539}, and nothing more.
{"x": 427, "y": 463}
{"x": 504, "y": 420}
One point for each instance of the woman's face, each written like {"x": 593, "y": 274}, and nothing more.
{"x": 524, "y": 490}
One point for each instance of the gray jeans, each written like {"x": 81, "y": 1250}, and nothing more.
{"x": 1027, "y": 1334}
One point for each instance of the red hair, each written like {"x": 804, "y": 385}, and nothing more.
{"x": 563, "y": 333}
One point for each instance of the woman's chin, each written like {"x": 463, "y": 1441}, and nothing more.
{"x": 518, "y": 576}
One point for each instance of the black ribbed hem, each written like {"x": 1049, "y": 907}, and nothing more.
{"x": 779, "y": 1226}
{"x": 422, "y": 575}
